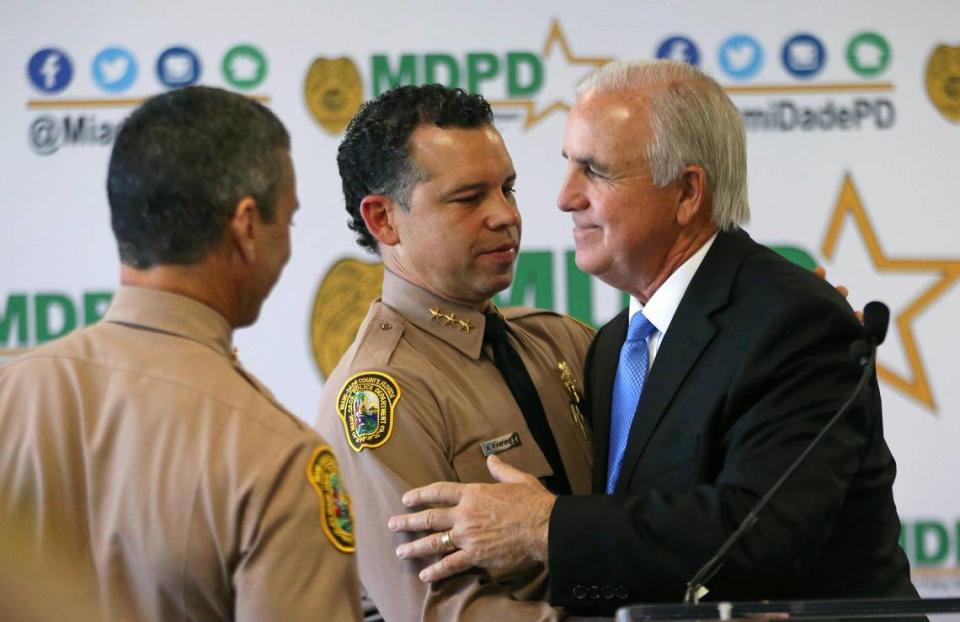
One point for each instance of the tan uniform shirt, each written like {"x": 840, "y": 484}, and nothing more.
{"x": 140, "y": 445}
{"x": 448, "y": 398}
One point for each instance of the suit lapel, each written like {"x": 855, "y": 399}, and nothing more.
{"x": 689, "y": 334}
{"x": 600, "y": 372}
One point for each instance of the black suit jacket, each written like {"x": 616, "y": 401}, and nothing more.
{"x": 755, "y": 362}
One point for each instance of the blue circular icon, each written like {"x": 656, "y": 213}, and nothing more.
{"x": 740, "y": 57}
{"x": 114, "y": 69}
{"x": 803, "y": 55}
{"x": 680, "y": 48}
{"x": 50, "y": 70}
{"x": 178, "y": 67}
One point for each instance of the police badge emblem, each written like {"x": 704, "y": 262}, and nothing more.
{"x": 570, "y": 384}
{"x": 943, "y": 81}
{"x": 336, "y": 516}
{"x": 334, "y": 92}
{"x": 366, "y": 407}
{"x": 339, "y": 307}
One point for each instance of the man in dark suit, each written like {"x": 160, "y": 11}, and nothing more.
{"x": 727, "y": 364}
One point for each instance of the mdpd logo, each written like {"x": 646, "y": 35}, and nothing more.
{"x": 522, "y": 85}
{"x": 333, "y": 91}
{"x": 114, "y": 69}
{"x": 178, "y": 67}
{"x": 50, "y": 70}
{"x": 943, "y": 81}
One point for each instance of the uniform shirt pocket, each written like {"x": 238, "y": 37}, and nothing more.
{"x": 471, "y": 465}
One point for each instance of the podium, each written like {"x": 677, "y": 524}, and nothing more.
{"x": 864, "y": 609}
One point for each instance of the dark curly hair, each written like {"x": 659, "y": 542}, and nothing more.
{"x": 179, "y": 166}
{"x": 374, "y": 157}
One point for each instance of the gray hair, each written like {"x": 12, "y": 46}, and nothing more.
{"x": 692, "y": 122}
{"x": 179, "y": 166}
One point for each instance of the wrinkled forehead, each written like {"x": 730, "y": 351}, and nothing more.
{"x": 609, "y": 124}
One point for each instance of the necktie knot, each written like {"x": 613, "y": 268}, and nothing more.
{"x": 495, "y": 329}
{"x": 640, "y": 327}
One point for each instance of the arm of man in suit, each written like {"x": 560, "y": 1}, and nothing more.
{"x": 790, "y": 379}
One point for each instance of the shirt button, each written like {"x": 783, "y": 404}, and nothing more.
{"x": 386, "y": 326}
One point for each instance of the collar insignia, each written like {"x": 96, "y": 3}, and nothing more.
{"x": 450, "y": 319}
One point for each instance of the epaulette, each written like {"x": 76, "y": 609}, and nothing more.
{"x": 516, "y": 313}
{"x": 377, "y": 339}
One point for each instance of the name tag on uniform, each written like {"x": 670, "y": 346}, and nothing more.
{"x": 499, "y": 444}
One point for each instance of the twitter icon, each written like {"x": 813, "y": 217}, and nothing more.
{"x": 114, "y": 69}
{"x": 741, "y": 57}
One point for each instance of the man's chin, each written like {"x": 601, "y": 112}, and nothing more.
{"x": 498, "y": 284}
{"x": 586, "y": 262}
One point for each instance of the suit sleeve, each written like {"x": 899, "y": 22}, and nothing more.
{"x": 290, "y": 568}
{"x": 645, "y": 544}
{"x": 415, "y": 455}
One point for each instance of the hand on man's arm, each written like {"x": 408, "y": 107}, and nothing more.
{"x": 502, "y": 525}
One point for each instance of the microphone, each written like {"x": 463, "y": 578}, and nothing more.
{"x": 876, "y": 317}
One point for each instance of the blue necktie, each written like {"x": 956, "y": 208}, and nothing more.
{"x": 631, "y": 372}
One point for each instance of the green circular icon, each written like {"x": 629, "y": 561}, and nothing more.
{"x": 868, "y": 54}
{"x": 244, "y": 67}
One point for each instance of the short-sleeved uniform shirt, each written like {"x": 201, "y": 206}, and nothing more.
{"x": 412, "y": 401}
{"x": 142, "y": 448}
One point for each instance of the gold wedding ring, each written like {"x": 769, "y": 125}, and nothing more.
{"x": 447, "y": 543}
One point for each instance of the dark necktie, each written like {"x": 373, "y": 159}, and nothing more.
{"x": 521, "y": 386}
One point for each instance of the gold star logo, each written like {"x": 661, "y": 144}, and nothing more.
{"x": 849, "y": 205}
{"x": 555, "y": 38}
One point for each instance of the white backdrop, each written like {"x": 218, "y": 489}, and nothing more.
{"x": 853, "y": 162}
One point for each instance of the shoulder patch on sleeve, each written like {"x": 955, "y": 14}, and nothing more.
{"x": 336, "y": 516}
{"x": 366, "y": 405}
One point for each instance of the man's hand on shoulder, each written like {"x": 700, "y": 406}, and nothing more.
{"x": 502, "y": 525}
{"x": 821, "y": 272}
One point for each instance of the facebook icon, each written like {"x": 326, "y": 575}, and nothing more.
{"x": 50, "y": 70}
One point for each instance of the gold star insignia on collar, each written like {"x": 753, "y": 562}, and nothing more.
{"x": 448, "y": 319}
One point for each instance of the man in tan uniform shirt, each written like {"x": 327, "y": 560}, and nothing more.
{"x": 417, "y": 398}
{"x": 140, "y": 444}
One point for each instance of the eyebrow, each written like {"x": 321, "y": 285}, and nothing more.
{"x": 587, "y": 162}
{"x": 480, "y": 185}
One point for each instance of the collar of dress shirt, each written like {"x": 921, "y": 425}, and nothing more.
{"x": 662, "y": 306}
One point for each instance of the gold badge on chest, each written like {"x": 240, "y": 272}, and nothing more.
{"x": 570, "y": 384}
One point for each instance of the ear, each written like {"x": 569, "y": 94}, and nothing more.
{"x": 244, "y": 227}
{"x": 693, "y": 203}
{"x": 379, "y": 215}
